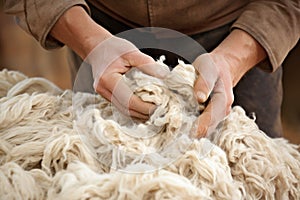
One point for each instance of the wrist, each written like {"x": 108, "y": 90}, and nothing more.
{"x": 91, "y": 41}
{"x": 77, "y": 30}
{"x": 239, "y": 52}
{"x": 226, "y": 63}
{"x": 224, "y": 66}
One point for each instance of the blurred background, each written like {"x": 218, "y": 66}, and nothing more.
{"x": 19, "y": 51}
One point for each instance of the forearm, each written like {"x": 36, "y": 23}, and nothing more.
{"x": 78, "y": 31}
{"x": 274, "y": 24}
{"x": 240, "y": 52}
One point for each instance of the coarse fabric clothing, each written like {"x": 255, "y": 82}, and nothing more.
{"x": 275, "y": 24}
{"x": 257, "y": 92}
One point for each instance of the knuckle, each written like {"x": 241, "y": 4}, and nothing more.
{"x": 228, "y": 104}
{"x": 103, "y": 80}
{"x": 230, "y": 99}
{"x": 201, "y": 132}
{"x": 99, "y": 89}
{"x": 228, "y": 110}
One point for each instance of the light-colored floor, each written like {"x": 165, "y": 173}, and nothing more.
{"x": 18, "y": 51}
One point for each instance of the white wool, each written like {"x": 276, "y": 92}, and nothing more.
{"x": 8, "y": 79}
{"x": 18, "y": 184}
{"x": 208, "y": 170}
{"x": 269, "y": 168}
{"x": 80, "y": 182}
{"x": 43, "y": 156}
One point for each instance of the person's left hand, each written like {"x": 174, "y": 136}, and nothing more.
{"x": 219, "y": 71}
{"x": 214, "y": 81}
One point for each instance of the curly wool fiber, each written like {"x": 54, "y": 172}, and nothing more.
{"x": 80, "y": 182}
{"x": 269, "y": 168}
{"x": 17, "y": 183}
{"x": 42, "y": 154}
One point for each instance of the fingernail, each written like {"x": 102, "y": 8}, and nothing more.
{"x": 201, "y": 96}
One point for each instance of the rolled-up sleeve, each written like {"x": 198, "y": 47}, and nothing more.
{"x": 275, "y": 24}
{"x": 37, "y": 17}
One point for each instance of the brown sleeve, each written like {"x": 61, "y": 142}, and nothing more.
{"x": 275, "y": 24}
{"x": 38, "y": 17}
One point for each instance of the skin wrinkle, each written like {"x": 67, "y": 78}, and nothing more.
{"x": 42, "y": 154}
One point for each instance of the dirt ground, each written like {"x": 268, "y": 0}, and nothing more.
{"x": 18, "y": 51}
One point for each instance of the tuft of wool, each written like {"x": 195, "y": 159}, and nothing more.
{"x": 58, "y": 144}
{"x": 16, "y": 183}
{"x": 268, "y": 168}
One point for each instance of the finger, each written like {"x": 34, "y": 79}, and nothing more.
{"x": 215, "y": 111}
{"x": 117, "y": 90}
{"x": 155, "y": 69}
{"x": 147, "y": 65}
{"x": 106, "y": 52}
{"x": 207, "y": 77}
{"x": 103, "y": 92}
{"x": 123, "y": 94}
{"x": 108, "y": 96}
{"x": 129, "y": 112}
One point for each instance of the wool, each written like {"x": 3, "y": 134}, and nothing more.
{"x": 18, "y": 184}
{"x": 269, "y": 168}
{"x": 79, "y": 182}
{"x": 8, "y": 79}
{"x": 57, "y": 144}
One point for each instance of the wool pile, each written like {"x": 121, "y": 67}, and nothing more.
{"x": 58, "y": 144}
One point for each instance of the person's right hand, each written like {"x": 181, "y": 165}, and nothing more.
{"x": 112, "y": 58}
{"x": 109, "y": 56}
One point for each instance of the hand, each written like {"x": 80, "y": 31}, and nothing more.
{"x": 239, "y": 51}
{"x": 109, "y": 56}
{"x": 219, "y": 71}
{"x": 214, "y": 80}
{"x": 112, "y": 58}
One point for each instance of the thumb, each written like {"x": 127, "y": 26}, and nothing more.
{"x": 147, "y": 65}
{"x": 207, "y": 77}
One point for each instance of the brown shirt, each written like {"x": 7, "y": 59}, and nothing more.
{"x": 274, "y": 24}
